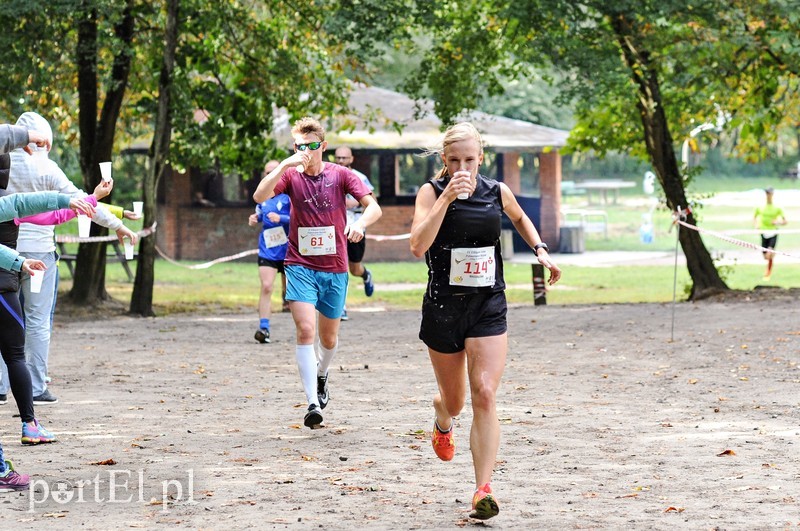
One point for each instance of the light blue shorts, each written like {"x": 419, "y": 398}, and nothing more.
{"x": 326, "y": 291}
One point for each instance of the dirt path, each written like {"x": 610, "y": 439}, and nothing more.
{"x": 605, "y": 424}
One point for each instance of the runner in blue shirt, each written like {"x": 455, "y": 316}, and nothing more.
{"x": 273, "y": 217}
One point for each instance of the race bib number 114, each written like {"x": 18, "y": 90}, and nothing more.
{"x": 473, "y": 267}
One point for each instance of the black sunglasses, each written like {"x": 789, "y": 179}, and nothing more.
{"x": 313, "y": 146}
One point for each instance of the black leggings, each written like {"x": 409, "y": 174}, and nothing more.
{"x": 12, "y": 345}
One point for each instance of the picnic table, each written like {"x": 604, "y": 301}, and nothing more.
{"x": 603, "y": 187}
{"x": 590, "y": 220}
{"x": 117, "y": 256}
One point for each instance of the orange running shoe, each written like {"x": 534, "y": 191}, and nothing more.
{"x": 484, "y": 506}
{"x": 443, "y": 443}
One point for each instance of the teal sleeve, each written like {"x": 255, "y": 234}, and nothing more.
{"x": 21, "y": 205}
{"x": 10, "y": 259}
{"x": 63, "y": 201}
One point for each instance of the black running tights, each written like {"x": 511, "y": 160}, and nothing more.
{"x": 12, "y": 345}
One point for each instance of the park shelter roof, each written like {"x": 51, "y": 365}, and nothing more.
{"x": 388, "y": 107}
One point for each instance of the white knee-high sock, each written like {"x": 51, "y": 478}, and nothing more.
{"x": 307, "y": 365}
{"x": 326, "y": 356}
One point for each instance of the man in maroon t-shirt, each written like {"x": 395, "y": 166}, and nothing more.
{"x": 316, "y": 261}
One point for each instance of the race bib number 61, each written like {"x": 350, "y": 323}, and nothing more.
{"x": 473, "y": 267}
{"x": 316, "y": 241}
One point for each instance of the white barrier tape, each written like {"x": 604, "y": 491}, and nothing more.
{"x": 734, "y": 241}
{"x": 68, "y": 238}
{"x": 759, "y": 231}
{"x": 206, "y": 265}
{"x": 379, "y": 238}
{"x": 236, "y": 256}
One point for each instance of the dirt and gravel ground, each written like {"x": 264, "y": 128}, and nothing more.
{"x": 606, "y": 424}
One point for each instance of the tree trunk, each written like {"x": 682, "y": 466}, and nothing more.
{"x": 97, "y": 137}
{"x": 660, "y": 147}
{"x": 142, "y": 296}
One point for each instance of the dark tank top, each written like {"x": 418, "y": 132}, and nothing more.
{"x": 8, "y": 237}
{"x": 469, "y": 223}
{"x": 9, "y": 231}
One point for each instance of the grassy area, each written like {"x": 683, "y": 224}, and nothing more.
{"x": 625, "y": 218}
{"x": 235, "y": 285}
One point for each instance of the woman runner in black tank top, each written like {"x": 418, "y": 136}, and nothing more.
{"x": 470, "y": 223}
{"x": 457, "y": 227}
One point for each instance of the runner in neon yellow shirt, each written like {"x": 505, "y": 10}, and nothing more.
{"x": 768, "y": 218}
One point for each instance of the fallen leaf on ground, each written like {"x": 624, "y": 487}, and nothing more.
{"x": 726, "y": 452}
{"x": 104, "y": 462}
{"x": 674, "y": 510}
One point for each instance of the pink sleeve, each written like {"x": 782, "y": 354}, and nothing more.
{"x": 54, "y": 217}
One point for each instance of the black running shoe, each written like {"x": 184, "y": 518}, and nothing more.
{"x": 322, "y": 391}
{"x": 369, "y": 285}
{"x": 262, "y": 335}
{"x": 313, "y": 417}
{"x": 44, "y": 399}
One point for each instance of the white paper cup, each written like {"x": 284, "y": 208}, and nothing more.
{"x": 84, "y": 225}
{"x": 138, "y": 207}
{"x": 461, "y": 173}
{"x": 105, "y": 171}
{"x": 37, "y": 277}
{"x": 41, "y": 159}
{"x": 128, "y": 249}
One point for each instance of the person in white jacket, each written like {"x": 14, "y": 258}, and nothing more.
{"x": 12, "y": 137}
{"x": 38, "y": 242}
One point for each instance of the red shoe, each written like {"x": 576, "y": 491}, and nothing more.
{"x": 443, "y": 443}
{"x": 484, "y": 506}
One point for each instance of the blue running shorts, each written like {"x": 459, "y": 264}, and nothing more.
{"x": 326, "y": 291}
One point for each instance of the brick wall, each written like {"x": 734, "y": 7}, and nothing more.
{"x": 396, "y": 219}
{"x": 196, "y": 233}
{"x": 186, "y": 232}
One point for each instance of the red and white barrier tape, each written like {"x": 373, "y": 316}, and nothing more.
{"x": 69, "y": 238}
{"x": 734, "y": 241}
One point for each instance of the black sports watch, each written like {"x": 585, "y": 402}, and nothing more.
{"x": 540, "y": 246}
